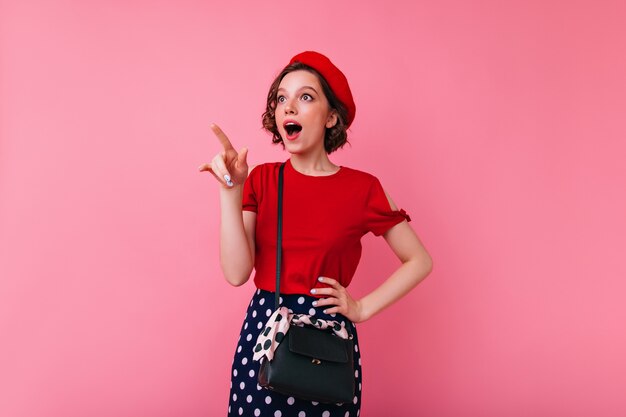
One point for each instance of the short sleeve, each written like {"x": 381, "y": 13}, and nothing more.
{"x": 250, "y": 190}
{"x": 379, "y": 217}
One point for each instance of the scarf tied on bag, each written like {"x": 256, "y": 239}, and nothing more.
{"x": 277, "y": 325}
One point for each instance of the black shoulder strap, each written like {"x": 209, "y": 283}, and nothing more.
{"x": 279, "y": 240}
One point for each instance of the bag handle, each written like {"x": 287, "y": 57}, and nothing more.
{"x": 279, "y": 239}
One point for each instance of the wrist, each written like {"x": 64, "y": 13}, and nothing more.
{"x": 364, "y": 313}
{"x": 235, "y": 188}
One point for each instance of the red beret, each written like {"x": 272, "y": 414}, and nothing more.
{"x": 333, "y": 76}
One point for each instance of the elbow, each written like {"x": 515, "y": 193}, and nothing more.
{"x": 427, "y": 264}
{"x": 428, "y": 267}
{"x": 426, "y": 261}
{"x": 236, "y": 283}
{"x": 237, "y": 276}
{"x": 236, "y": 280}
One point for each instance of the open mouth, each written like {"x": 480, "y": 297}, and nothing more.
{"x": 292, "y": 128}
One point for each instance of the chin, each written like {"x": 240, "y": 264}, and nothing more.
{"x": 294, "y": 150}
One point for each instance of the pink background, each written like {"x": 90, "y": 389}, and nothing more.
{"x": 499, "y": 126}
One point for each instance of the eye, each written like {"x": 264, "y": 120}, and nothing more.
{"x": 307, "y": 97}
{"x": 280, "y": 99}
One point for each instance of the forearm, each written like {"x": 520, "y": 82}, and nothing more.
{"x": 236, "y": 257}
{"x": 403, "y": 280}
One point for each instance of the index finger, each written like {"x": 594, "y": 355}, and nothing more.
{"x": 221, "y": 136}
{"x": 330, "y": 281}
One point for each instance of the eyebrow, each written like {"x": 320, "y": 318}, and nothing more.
{"x": 301, "y": 88}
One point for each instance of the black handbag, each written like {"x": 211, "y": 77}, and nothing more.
{"x": 309, "y": 363}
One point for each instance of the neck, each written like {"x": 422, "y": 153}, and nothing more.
{"x": 313, "y": 164}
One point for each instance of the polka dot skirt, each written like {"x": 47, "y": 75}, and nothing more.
{"x": 248, "y": 398}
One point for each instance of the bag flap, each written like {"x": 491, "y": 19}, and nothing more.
{"x": 318, "y": 344}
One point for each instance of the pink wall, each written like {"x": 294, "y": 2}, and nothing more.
{"x": 499, "y": 126}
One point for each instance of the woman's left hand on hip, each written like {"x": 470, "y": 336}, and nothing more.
{"x": 340, "y": 300}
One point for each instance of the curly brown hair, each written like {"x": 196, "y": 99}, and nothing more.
{"x": 335, "y": 137}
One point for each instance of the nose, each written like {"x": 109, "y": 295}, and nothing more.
{"x": 291, "y": 107}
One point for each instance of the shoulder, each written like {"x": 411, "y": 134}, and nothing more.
{"x": 358, "y": 174}
{"x": 372, "y": 183}
{"x": 361, "y": 176}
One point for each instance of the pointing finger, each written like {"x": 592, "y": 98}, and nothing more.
{"x": 221, "y": 136}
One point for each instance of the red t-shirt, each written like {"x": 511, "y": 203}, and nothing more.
{"x": 324, "y": 219}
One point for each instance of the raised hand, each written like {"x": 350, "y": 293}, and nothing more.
{"x": 339, "y": 299}
{"x": 229, "y": 167}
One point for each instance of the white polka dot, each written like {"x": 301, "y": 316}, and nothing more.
{"x": 347, "y": 414}
{"x": 356, "y": 348}
{"x": 234, "y": 397}
{"x": 254, "y": 313}
{"x": 326, "y": 414}
{"x": 260, "y": 325}
{"x": 278, "y": 413}
{"x": 249, "y": 337}
{"x": 262, "y": 301}
{"x": 301, "y": 414}
{"x": 251, "y": 302}
{"x": 245, "y": 361}
{"x": 258, "y": 387}
{"x": 355, "y": 399}
{"x": 356, "y": 373}
{"x": 245, "y": 326}
{"x": 314, "y": 402}
{"x": 249, "y": 398}
{"x": 268, "y": 312}
{"x": 333, "y": 315}
{"x": 251, "y": 373}
{"x": 359, "y": 361}
{"x": 312, "y": 311}
{"x": 229, "y": 408}
{"x": 268, "y": 399}
{"x": 240, "y": 411}
{"x": 301, "y": 301}
{"x": 291, "y": 400}
{"x": 359, "y": 386}
{"x": 239, "y": 349}
{"x": 235, "y": 372}
{"x": 291, "y": 311}
{"x": 257, "y": 412}
{"x": 231, "y": 384}
{"x": 280, "y": 300}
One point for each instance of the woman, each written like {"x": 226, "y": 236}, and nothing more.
{"x": 327, "y": 209}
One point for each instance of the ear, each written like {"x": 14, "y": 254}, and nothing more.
{"x": 332, "y": 119}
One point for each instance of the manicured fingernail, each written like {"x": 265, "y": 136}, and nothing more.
{"x": 227, "y": 177}
{"x": 320, "y": 279}
{"x": 313, "y": 291}
{"x": 325, "y": 311}
{"x": 314, "y": 303}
